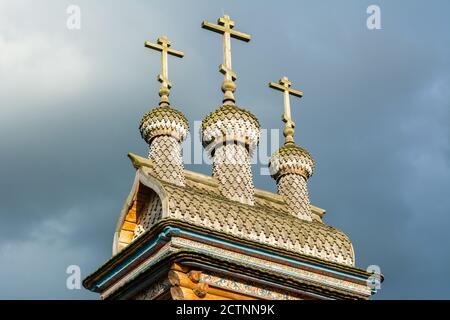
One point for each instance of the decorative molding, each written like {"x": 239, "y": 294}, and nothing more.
{"x": 291, "y": 271}
{"x": 154, "y": 291}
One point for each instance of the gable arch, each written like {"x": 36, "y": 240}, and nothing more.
{"x": 146, "y": 204}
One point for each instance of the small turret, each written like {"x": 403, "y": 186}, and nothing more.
{"x": 164, "y": 128}
{"x": 291, "y": 166}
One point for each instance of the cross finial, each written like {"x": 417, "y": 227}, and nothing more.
{"x": 225, "y": 27}
{"x": 163, "y": 45}
{"x": 226, "y": 21}
{"x": 284, "y": 85}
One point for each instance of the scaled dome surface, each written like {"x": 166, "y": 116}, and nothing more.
{"x": 291, "y": 158}
{"x": 164, "y": 120}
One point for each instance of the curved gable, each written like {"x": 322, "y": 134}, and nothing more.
{"x": 145, "y": 205}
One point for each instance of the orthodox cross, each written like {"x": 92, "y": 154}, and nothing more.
{"x": 163, "y": 45}
{"x": 225, "y": 27}
{"x": 284, "y": 85}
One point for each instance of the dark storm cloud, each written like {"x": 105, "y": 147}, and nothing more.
{"x": 375, "y": 116}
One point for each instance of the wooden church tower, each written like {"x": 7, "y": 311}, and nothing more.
{"x": 186, "y": 236}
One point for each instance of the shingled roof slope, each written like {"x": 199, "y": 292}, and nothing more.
{"x": 268, "y": 222}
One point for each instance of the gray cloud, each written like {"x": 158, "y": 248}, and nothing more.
{"x": 375, "y": 116}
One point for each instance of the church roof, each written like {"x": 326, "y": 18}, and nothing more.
{"x": 267, "y": 223}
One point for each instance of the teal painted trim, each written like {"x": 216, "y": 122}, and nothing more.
{"x": 168, "y": 231}
{"x": 272, "y": 255}
{"x": 264, "y": 266}
{"x": 164, "y": 234}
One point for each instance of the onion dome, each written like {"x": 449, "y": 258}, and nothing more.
{"x": 164, "y": 120}
{"x": 291, "y": 158}
{"x": 230, "y": 123}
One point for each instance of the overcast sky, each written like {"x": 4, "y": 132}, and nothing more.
{"x": 375, "y": 116}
